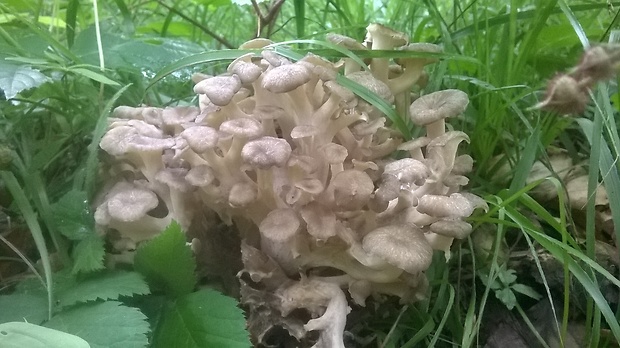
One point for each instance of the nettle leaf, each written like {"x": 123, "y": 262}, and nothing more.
{"x": 72, "y": 215}
{"x": 88, "y": 254}
{"x": 167, "y": 262}
{"x": 20, "y": 334}
{"x": 30, "y": 307}
{"x": 17, "y": 78}
{"x": 205, "y": 318}
{"x": 107, "y": 324}
{"x": 507, "y": 297}
{"x": 108, "y": 285}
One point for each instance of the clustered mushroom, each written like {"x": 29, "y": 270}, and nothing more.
{"x": 304, "y": 169}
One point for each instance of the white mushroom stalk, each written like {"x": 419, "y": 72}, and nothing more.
{"x": 305, "y": 170}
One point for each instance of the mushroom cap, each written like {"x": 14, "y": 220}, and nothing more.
{"x": 304, "y": 131}
{"x": 179, "y": 114}
{"x": 123, "y": 139}
{"x": 413, "y": 144}
{"x": 421, "y": 47}
{"x": 392, "y": 38}
{"x": 242, "y": 194}
{"x": 285, "y": 78}
{"x": 366, "y": 79}
{"x": 242, "y": 127}
{"x": 174, "y": 178}
{"x": 243, "y": 67}
{"x": 201, "y": 175}
{"x": 407, "y": 170}
{"x": 438, "y": 105}
{"x": 256, "y": 43}
{"x": 351, "y": 189}
{"x": 334, "y": 153}
{"x": 200, "y": 138}
{"x": 451, "y": 228}
{"x": 345, "y": 41}
{"x": 274, "y": 59}
{"x": 400, "y": 245}
{"x": 457, "y": 205}
{"x": 219, "y": 89}
{"x": 266, "y": 152}
{"x": 320, "y": 221}
{"x": 130, "y": 202}
{"x": 280, "y": 225}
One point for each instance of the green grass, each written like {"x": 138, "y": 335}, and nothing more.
{"x": 500, "y": 54}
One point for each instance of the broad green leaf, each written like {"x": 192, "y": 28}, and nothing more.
{"x": 102, "y": 286}
{"x": 202, "y": 319}
{"x": 31, "y": 307}
{"x": 104, "y": 325}
{"x": 72, "y": 215}
{"x": 167, "y": 262}
{"x": 22, "y": 335}
{"x": 88, "y": 254}
{"x": 17, "y": 78}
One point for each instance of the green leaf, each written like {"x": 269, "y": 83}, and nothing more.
{"x": 507, "y": 297}
{"x": 104, "y": 325}
{"x": 30, "y": 307}
{"x": 17, "y": 78}
{"x": 72, "y": 215}
{"x": 526, "y": 290}
{"x": 105, "y": 286}
{"x": 167, "y": 262}
{"x": 20, "y": 335}
{"x": 88, "y": 254}
{"x": 94, "y": 76}
{"x": 202, "y": 319}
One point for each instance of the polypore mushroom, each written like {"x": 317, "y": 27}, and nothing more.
{"x": 281, "y": 238}
{"x": 432, "y": 109}
{"x": 383, "y": 38}
{"x": 412, "y": 66}
{"x": 219, "y": 89}
{"x": 400, "y": 245}
{"x": 126, "y": 209}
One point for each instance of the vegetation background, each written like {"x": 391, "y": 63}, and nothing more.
{"x": 536, "y": 271}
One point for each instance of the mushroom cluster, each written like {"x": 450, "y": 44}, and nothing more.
{"x": 306, "y": 172}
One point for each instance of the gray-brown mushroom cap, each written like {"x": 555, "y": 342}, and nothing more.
{"x": 200, "y": 138}
{"x": 351, "y": 189}
{"x": 421, "y": 47}
{"x": 219, "y": 89}
{"x": 451, "y": 228}
{"x": 244, "y": 127}
{"x": 131, "y": 203}
{"x": 366, "y": 79}
{"x": 400, "y": 245}
{"x": 243, "y": 67}
{"x": 438, "y": 106}
{"x": 285, "y": 78}
{"x": 408, "y": 170}
{"x": 266, "y": 152}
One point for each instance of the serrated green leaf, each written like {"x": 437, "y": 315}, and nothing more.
{"x": 20, "y": 335}
{"x": 108, "y": 285}
{"x": 104, "y": 325}
{"x": 507, "y": 297}
{"x": 30, "y": 307}
{"x": 17, "y": 78}
{"x": 72, "y": 215}
{"x": 167, "y": 262}
{"x": 88, "y": 254}
{"x": 205, "y": 318}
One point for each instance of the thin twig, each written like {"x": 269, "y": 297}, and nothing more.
{"x": 208, "y": 31}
